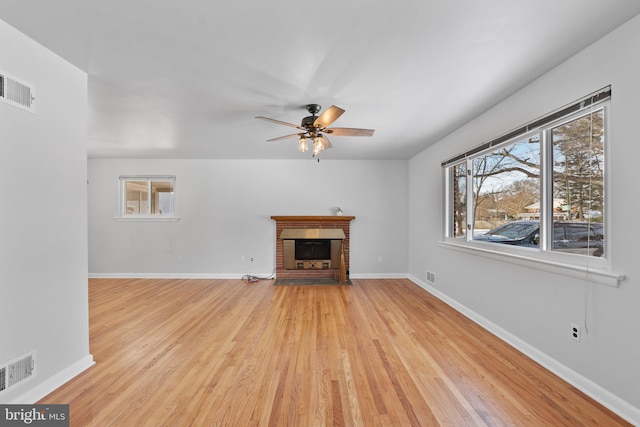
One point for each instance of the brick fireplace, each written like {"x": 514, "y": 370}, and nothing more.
{"x": 314, "y": 226}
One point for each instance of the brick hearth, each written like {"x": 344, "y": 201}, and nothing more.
{"x": 283, "y": 222}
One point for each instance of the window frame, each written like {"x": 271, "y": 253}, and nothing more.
{"x": 596, "y": 269}
{"x": 150, "y": 179}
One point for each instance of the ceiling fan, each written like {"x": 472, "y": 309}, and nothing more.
{"x": 316, "y": 128}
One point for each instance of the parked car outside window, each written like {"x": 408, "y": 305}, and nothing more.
{"x": 575, "y": 237}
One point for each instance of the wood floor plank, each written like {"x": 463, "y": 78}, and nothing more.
{"x": 378, "y": 353}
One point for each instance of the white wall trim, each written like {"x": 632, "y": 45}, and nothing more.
{"x": 593, "y": 273}
{"x": 142, "y": 218}
{"x": 225, "y": 275}
{"x": 222, "y": 276}
{"x": 621, "y": 407}
{"x": 379, "y": 276}
{"x": 56, "y": 381}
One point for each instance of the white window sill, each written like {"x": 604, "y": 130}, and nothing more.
{"x": 147, "y": 218}
{"x": 594, "y": 272}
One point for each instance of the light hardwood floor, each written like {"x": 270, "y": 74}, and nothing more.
{"x": 230, "y": 353}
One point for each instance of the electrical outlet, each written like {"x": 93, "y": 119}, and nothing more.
{"x": 576, "y": 332}
{"x": 179, "y": 258}
{"x": 251, "y": 259}
{"x": 379, "y": 258}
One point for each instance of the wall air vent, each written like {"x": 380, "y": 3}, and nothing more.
{"x": 3, "y": 378}
{"x": 17, "y": 93}
{"x": 18, "y": 370}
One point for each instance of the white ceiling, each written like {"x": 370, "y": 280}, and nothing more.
{"x": 184, "y": 79}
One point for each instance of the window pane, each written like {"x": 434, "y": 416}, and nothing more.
{"x": 458, "y": 220}
{"x": 162, "y": 200}
{"x": 506, "y": 194}
{"x": 578, "y": 184}
{"x": 137, "y": 197}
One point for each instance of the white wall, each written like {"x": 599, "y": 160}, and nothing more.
{"x": 43, "y": 220}
{"x": 225, "y": 208}
{"x": 533, "y": 306}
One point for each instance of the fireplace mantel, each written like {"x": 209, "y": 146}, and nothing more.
{"x": 297, "y": 224}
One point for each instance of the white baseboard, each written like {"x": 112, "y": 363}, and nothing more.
{"x": 174, "y": 275}
{"x": 379, "y": 276}
{"x": 51, "y": 384}
{"x": 224, "y": 276}
{"x": 620, "y": 406}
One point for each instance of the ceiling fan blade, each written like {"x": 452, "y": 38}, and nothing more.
{"x": 329, "y": 116}
{"x": 350, "y": 132}
{"x": 280, "y": 122}
{"x": 285, "y": 137}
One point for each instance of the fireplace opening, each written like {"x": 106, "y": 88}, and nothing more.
{"x": 312, "y": 249}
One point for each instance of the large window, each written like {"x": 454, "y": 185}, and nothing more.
{"x": 540, "y": 188}
{"x": 147, "y": 196}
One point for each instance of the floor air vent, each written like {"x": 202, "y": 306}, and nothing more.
{"x": 17, "y": 371}
{"x": 17, "y": 93}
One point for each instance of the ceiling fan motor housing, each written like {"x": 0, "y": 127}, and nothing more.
{"x": 307, "y": 122}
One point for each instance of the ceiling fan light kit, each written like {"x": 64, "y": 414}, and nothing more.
{"x": 303, "y": 145}
{"x": 318, "y": 146}
{"x": 314, "y": 127}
